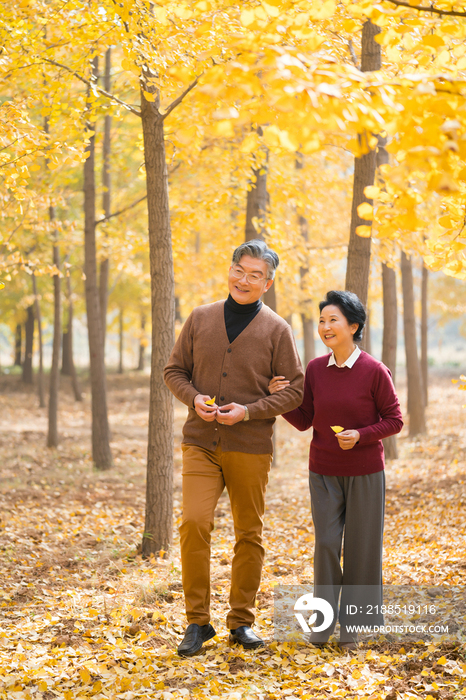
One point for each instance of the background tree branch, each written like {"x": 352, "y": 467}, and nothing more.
{"x": 420, "y": 8}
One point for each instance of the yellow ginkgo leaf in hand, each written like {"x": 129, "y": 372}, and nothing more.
{"x": 210, "y": 402}
{"x": 2, "y": 285}
{"x": 336, "y": 428}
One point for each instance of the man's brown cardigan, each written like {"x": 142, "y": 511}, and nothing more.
{"x": 203, "y": 361}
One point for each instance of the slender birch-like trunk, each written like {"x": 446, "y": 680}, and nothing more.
{"x": 52, "y": 437}
{"x": 101, "y": 453}
{"x": 256, "y": 207}
{"x": 158, "y": 528}
{"x": 29, "y": 345}
{"x": 307, "y": 319}
{"x": 120, "y": 341}
{"x": 72, "y": 366}
{"x": 424, "y": 327}
{"x": 359, "y": 248}
{"x": 416, "y": 406}
{"x": 18, "y": 345}
{"x": 106, "y": 199}
{"x": 309, "y": 340}
{"x": 142, "y": 346}
{"x": 65, "y": 352}
{"x": 389, "y": 340}
{"x": 40, "y": 377}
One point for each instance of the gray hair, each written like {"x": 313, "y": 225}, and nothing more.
{"x": 258, "y": 249}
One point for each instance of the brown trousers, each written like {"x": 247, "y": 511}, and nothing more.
{"x": 205, "y": 475}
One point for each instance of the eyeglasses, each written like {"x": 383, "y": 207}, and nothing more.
{"x": 251, "y": 277}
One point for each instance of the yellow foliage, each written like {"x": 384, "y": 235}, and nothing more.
{"x": 371, "y": 191}
{"x": 364, "y": 231}
{"x": 365, "y": 211}
{"x": 286, "y": 67}
{"x": 224, "y": 128}
{"x": 247, "y": 17}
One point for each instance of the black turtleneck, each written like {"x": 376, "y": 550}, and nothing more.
{"x": 238, "y": 316}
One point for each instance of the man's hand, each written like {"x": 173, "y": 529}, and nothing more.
{"x": 230, "y": 414}
{"x": 207, "y": 413}
{"x": 348, "y": 439}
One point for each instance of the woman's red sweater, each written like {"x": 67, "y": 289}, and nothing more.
{"x": 359, "y": 398}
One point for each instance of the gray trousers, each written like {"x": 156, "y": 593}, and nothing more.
{"x": 354, "y": 505}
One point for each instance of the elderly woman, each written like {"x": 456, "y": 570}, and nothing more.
{"x": 350, "y": 401}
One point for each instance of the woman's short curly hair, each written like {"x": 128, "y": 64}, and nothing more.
{"x": 350, "y": 306}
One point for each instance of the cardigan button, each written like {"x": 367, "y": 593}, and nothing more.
{"x": 224, "y": 374}
{"x": 214, "y": 443}
{"x": 222, "y": 398}
{"x": 229, "y": 350}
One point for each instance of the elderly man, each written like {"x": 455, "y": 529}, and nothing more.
{"x": 220, "y": 368}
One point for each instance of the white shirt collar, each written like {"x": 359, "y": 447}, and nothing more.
{"x": 349, "y": 362}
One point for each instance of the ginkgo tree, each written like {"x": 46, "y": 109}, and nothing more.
{"x": 209, "y": 71}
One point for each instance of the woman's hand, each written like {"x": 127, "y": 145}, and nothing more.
{"x": 348, "y": 439}
{"x": 277, "y": 384}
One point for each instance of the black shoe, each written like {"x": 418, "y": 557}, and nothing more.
{"x": 246, "y": 637}
{"x": 194, "y": 638}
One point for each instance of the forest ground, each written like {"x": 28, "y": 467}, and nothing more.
{"x": 82, "y": 615}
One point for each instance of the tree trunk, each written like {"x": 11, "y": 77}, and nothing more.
{"x": 74, "y": 376}
{"x": 306, "y": 315}
{"x": 101, "y": 453}
{"x": 367, "y": 334}
{"x": 65, "y": 359}
{"x": 389, "y": 340}
{"x": 106, "y": 199}
{"x": 415, "y": 391}
{"x": 256, "y": 207}
{"x": 359, "y": 249}
{"x": 390, "y": 315}
{"x": 308, "y": 337}
{"x": 256, "y": 204}
{"x": 390, "y": 319}
{"x": 177, "y": 310}
{"x": 424, "y": 320}
{"x": 29, "y": 345}
{"x": 120, "y": 343}
{"x": 142, "y": 344}
{"x": 40, "y": 384}
{"x": 103, "y": 294}
{"x": 52, "y": 438}
{"x": 18, "y": 345}
{"x": 158, "y": 528}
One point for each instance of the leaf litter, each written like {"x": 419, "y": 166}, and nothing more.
{"x": 82, "y": 615}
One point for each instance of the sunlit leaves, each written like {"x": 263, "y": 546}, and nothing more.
{"x": 83, "y": 615}
{"x": 365, "y": 211}
{"x": 364, "y": 231}
{"x": 289, "y": 67}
